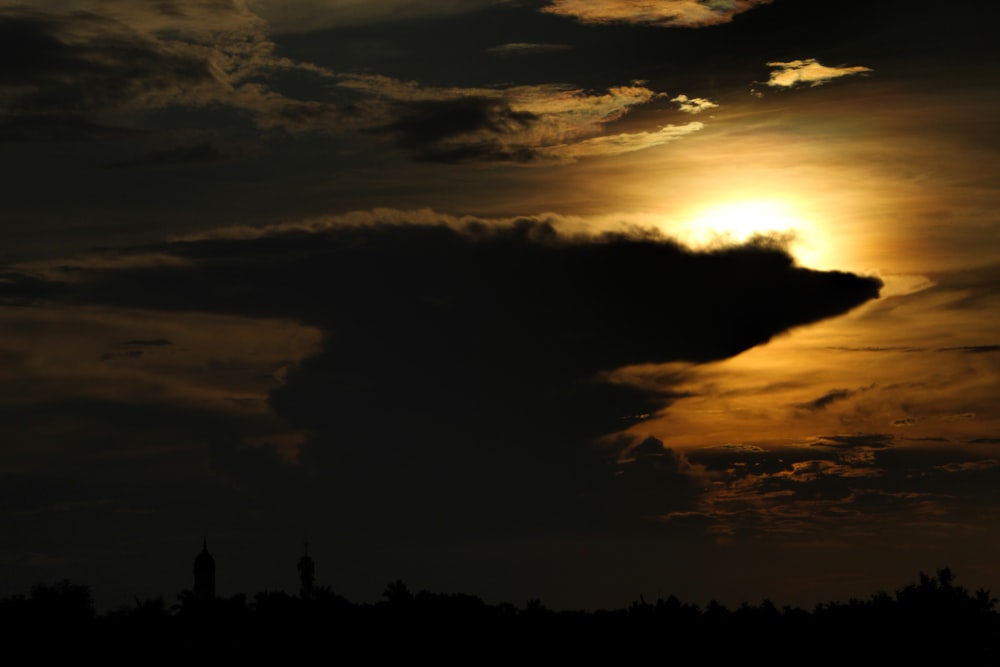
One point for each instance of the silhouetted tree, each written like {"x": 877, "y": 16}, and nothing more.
{"x": 397, "y": 593}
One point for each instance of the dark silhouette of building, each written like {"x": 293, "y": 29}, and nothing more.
{"x": 307, "y": 573}
{"x": 204, "y": 574}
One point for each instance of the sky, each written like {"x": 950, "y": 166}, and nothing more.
{"x": 567, "y": 300}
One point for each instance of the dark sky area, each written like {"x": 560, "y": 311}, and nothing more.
{"x": 570, "y": 300}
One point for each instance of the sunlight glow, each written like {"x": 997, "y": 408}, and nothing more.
{"x": 739, "y": 221}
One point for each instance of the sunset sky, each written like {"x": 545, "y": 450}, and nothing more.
{"x": 569, "y": 300}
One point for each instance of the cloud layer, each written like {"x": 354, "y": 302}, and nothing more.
{"x": 80, "y": 66}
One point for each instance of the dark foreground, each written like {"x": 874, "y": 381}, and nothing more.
{"x": 929, "y": 620}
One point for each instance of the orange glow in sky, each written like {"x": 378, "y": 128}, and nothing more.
{"x": 739, "y": 221}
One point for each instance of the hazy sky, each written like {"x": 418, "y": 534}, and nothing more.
{"x": 574, "y": 300}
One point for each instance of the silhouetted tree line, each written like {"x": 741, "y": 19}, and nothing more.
{"x": 930, "y": 620}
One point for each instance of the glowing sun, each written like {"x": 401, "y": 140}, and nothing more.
{"x": 739, "y": 221}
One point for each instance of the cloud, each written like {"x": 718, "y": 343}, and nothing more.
{"x": 858, "y": 441}
{"x": 28, "y": 129}
{"x": 198, "y": 17}
{"x": 461, "y": 367}
{"x": 151, "y": 342}
{"x": 80, "y": 64}
{"x": 693, "y": 105}
{"x": 971, "y": 349}
{"x": 526, "y": 48}
{"x": 23, "y": 289}
{"x": 617, "y": 144}
{"x": 309, "y": 15}
{"x": 826, "y": 399}
{"x": 971, "y": 466}
{"x": 896, "y": 348}
{"x": 473, "y": 356}
{"x": 85, "y": 62}
{"x": 454, "y": 130}
{"x": 832, "y": 396}
{"x": 79, "y": 61}
{"x": 802, "y": 472}
{"x": 520, "y": 124}
{"x": 808, "y": 72}
{"x": 663, "y": 13}
{"x": 139, "y": 393}
{"x": 804, "y": 492}
{"x": 434, "y": 383}
{"x": 201, "y": 152}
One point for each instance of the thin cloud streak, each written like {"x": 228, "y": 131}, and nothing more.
{"x": 526, "y": 48}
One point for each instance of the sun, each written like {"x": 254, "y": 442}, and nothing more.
{"x": 737, "y": 222}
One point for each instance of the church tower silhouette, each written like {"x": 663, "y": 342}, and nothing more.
{"x": 307, "y": 573}
{"x": 204, "y": 574}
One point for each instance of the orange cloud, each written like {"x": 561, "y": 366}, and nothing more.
{"x": 666, "y": 13}
{"x": 808, "y": 72}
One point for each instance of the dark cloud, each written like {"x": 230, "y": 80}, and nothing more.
{"x": 83, "y": 62}
{"x": 897, "y": 348}
{"x": 842, "y": 491}
{"x": 525, "y": 293}
{"x": 971, "y": 466}
{"x": 58, "y": 127}
{"x": 831, "y": 397}
{"x": 457, "y": 397}
{"x": 971, "y": 349}
{"x": 826, "y": 399}
{"x": 128, "y": 354}
{"x": 525, "y": 48}
{"x": 21, "y": 289}
{"x": 201, "y": 152}
{"x": 428, "y": 127}
{"x": 858, "y": 441}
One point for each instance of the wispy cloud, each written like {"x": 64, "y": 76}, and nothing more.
{"x": 99, "y": 58}
{"x": 617, "y": 144}
{"x": 857, "y": 441}
{"x": 664, "y": 13}
{"x": 307, "y": 15}
{"x": 826, "y": 399}
{"x": 526, "y": 48}
{"x": 521, "y": 124}
{"x": 201, "y": 152}
{"x": 693, "y": 105}
{"x": 120, "y": 59}
{"x": 831, "y": 397}
{"x": 809, "y": 72}
{"x": 971, "y": 349}
{"x": 971, "y": 466}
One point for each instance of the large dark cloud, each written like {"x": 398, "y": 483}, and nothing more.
{"x": 468, "y": 359}
{"x": 457, "y": 399}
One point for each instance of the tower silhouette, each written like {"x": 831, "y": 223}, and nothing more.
{"x": 307, "y": 573}
{"x": 204, "y": 574}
